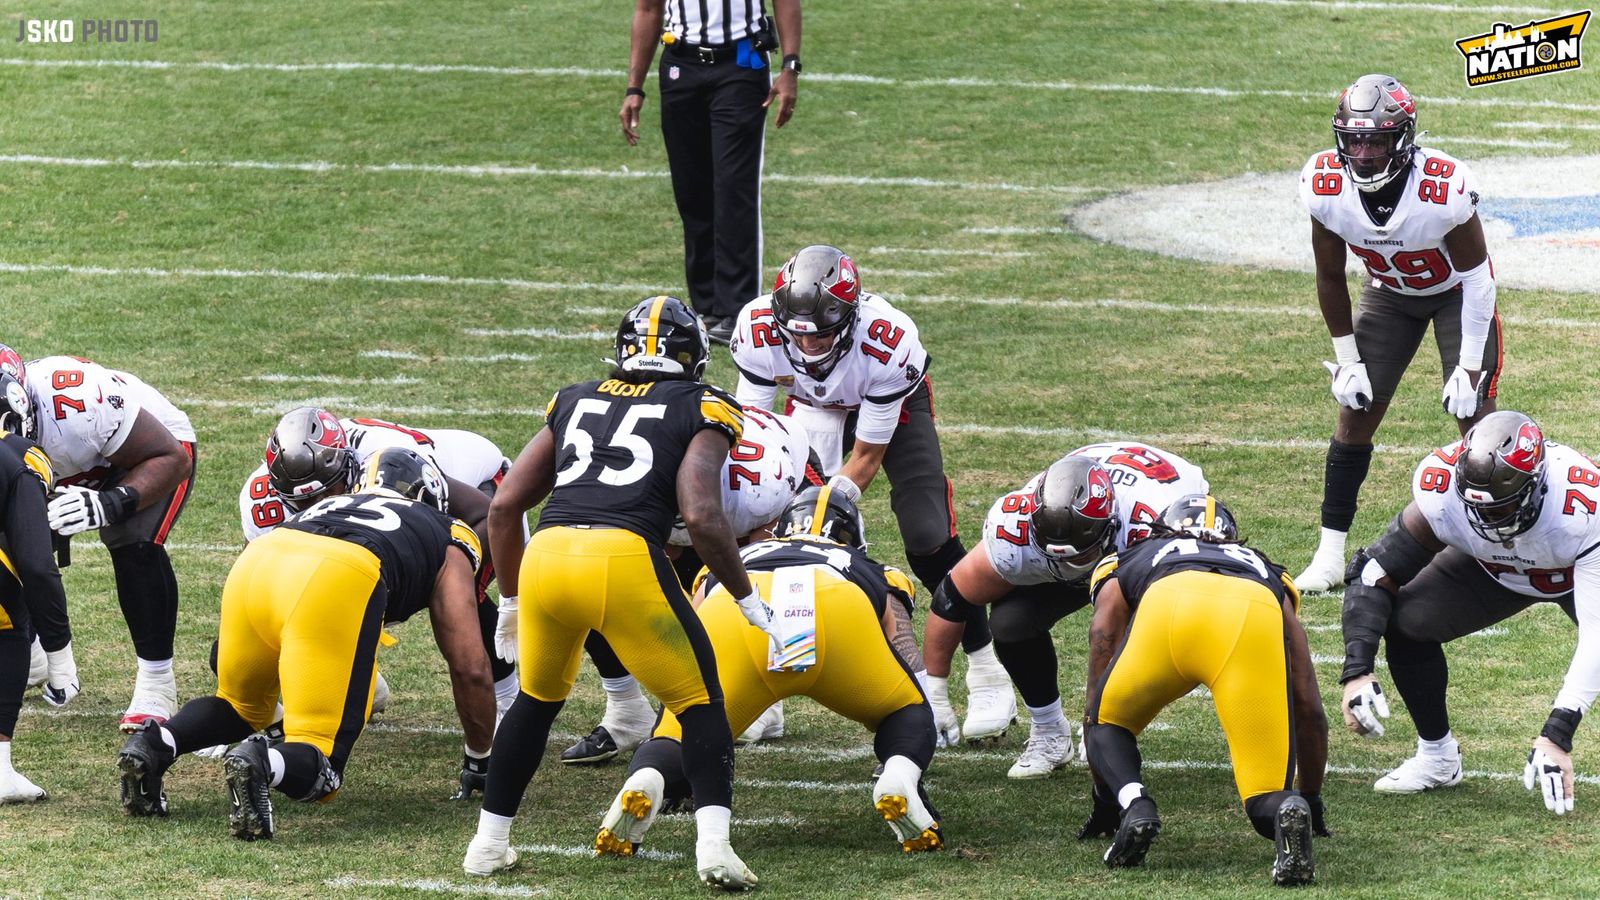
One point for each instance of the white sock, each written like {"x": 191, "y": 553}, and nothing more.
{"x": 621, "y": 690}
{"x": 984, "y": 657}
{"x": 1332, "y": 543}
{"x": 1050, "y": 717}
{"x": 5, "y": 757}
{"x": 494, "y": 827}
{"x": 901, "y": 769}
{"x": 1446, "y": 746}
{"x": 168, "y": 739}
{"x": 154, "y": 667}
{"x": 275, "y": 761}
{"x": 711, "y": 823}
{"x": 505, "y": 690}
{"x": 1129, "y": 793}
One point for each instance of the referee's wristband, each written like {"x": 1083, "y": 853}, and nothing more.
{"x": 634, "y": 92}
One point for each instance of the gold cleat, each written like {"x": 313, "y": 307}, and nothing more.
{"x": 891, "y": 807}
{"x": 929, "y": 840}
{"x": 608, "y": 844}
{"x": 636, "y": 803}
{"x": 630, "y": 815}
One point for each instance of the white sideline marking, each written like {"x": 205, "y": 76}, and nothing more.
{"x": 832, "y": 787}
{"x": 285, "y": 378}
{"x": 1162, "y": 439}
{"x": 1546, "y": 126}
{"x": 904, "y": 273}
{"x": 491, "y": 169}
{"x": 279, "y": 407}
{"x": 1501, "y": 142}
{"x": 486, "y": 358}
{"x": 553, "y": 333}
{"x": 436, "y": 886}
{"x": 182, "y": 547}
{"x": 1327, "y": 96}
{"x": 1014, "y": 229}
{"x": 1491, "y": 631}
{"x": 556, "y": 850}
{"x": 377, "y": 277}
{"x": 1388, "y": 4}
{"x": 947, "y": 251}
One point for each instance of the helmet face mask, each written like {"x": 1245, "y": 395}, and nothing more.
{"x": 308, "y": 458}
{"x": 663, "y": 335}
{"x": 1500, "y": 475}
{"x": 1074, "y": 519}
{"x": 404, "y": 473}
{"x": 825, "y": 513}
{"x": 1374, "y": 131}
{"x": 816, "y": 296}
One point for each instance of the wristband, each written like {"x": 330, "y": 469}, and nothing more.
{"x": 634, "y": 92}
{"x": 1344, "y": 350}
{"x": 1560, "y": 726}
{"x": 119, "y": 503}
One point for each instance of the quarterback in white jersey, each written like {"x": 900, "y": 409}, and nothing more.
{"x": 1409, "y": 214}
{"x": 1497, "y": 522}
{"x": 125, "y": 460}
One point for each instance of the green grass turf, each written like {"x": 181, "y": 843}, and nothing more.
{"x": 1197, "y": 383}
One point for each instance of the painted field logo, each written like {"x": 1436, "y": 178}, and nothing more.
{"x": 1537, "y": 48}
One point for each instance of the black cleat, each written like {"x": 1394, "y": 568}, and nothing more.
{"x": 144, "y": 758}
{"x": 721, "y": 330}
{"x": 1292, "y": 835}
{"x": 1138, "y": 831}
{"x": 595, "y": 748}
{"x": 249, "y": 778}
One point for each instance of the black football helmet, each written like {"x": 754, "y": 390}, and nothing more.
{"x": 308, "y": 457}
{"x": 817, "y": 294}
{"x": 405, "y": 473}
{"x": 826, "y": 513}
{"x": 1500, "y": 475}
{"x": 1201, "y": 515}
{"x": 662, "y": 334}
{"x": 1375, "y": 130}
{"x": 1074, "y": 518}
{"x": 16, "y": 408}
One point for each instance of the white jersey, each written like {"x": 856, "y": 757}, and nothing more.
{"x": 885, "y": 363}
{"x": 464, "y": 456}
{"x": 761, "y": 474}
{"x": 1145, "y": 481}
{"x": 1406, "y": 254}
{"x": 86, "y": 411}
{"x": 1539, "y": 562}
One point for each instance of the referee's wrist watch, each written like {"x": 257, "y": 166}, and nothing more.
{"x": 791, "y": 63}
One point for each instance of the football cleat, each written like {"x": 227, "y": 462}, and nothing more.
{"x": 15, "y": 788}
{"x": 631, "y": 814}
{"x": 720, "y": 867}
{"x": 486, "y": 856}
{"x": 38, "y": 664}
{"x": 1421, "y": 773}
{"x": 155, "y": 699}
{"x": 144, "y": 758}
{"x": 1325, "y": 572}
{"x": 991, "y": 700}
{"x": 898, "y": 798}
{"x": 767, "y": 726}
{"x": 1292, "y": 836}
{"x": 1138, "y": 830}
{"x": 249, "y": 778}
{"x": 1047, "y": 750}
{"x": 625, "y": 725}
{"x": 380, "y": 694}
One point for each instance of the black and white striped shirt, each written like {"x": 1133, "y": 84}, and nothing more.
{"x": 713, "y": 22}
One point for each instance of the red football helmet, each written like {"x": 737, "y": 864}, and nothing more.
{"x": 1374, "y": 130}
{"x": 11, "y": 363}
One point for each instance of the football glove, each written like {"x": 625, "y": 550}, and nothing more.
{"x": 1351, "y": 386}
{"x": 505, "y": 630}
{"x": 76, "y": 509}
{"x": 1364, "y": 705}
{"x": 62, "y": 684}
{"x": 846, "y": 487}
{"x": 945, "y": 724}
{"x": 1550, "y": 768}
{"x": 474, "y": 775}
{"x": 760, "y": 615}
{"x": 1105, "y": 819}
{"x": 1319, "y": 824}
{"x": 1461, "y": 397}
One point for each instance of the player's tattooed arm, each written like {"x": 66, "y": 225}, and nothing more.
{"x": 902, "y": 637}
{"x": 1106, "y": 632}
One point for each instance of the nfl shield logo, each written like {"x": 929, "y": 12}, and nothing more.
{"x": 672, "y": 72}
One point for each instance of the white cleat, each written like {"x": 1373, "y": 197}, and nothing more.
{"x": 720, "y": 867}
{"x": 898, "y": 799}
{"x": 155, "y": 698}
{"x": 767, "y": 726}
{"x": 631, "y": 813}
{"x": 1047, "y": 750}
{"x": 16, "y": 788}
{"x": 1325, "y": 572}
{"x": 991, "y": 700}
{"x": 1421, "y": 773}
{"x": 380, "y": 694}
{"x": 38, "y": 664}
{"x": 486, "y": 857}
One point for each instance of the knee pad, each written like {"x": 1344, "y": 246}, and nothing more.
{"x": 931, "y": 568}
{"x": 948, "y": 604}
{"x": 1398, "y": 554}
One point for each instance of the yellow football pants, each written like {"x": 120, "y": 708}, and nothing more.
{"x": 857, "y": 674}
{"x": 301, "y": 616}
{"x": 1225, "y": 633}
{"x": 575, "y": 580}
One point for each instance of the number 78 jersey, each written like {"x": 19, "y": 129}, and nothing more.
{"x": 1144, "y": 481}
{"x": 1406, "y": 254}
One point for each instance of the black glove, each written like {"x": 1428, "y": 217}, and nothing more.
{"x": 1104, "y": 820}
{"x": 474, "y": 776}
{"x": 1319, "y": 827}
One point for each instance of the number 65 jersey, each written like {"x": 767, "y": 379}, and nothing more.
{"x": 1144, "y": 482}
{"x": 1406, "y": 254}
{"x": 1538, "y": 562}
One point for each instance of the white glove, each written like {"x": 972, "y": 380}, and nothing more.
{"x": 1364, "y": 705}
{"x": 760, "y": 615}
{"x": 1550, "y": 768}
{"x": 505, "y": 630}
{"x": 846, "y": 487}
{"x": 1461, "y": 395}
{"x": 945, "y": 723}
{"x": 216, "y": 751}
{"x": 1351, "y": 386}
{"x": 62, "y": 685}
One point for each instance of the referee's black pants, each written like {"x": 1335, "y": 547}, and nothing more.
{"x": 713, "y": 124}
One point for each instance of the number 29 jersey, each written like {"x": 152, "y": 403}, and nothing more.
{"x": 618, "y": 448}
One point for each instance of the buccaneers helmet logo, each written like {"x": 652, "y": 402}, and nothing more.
{"x": 1098, "y": 501}
{"x": 1526, "y": 450}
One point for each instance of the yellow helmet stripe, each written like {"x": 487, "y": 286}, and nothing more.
{"x": 1210, "y": 522}
{"x": 819, "y": 512}
{"x": 370, "y": 477}
{"x": 653, "y": 335}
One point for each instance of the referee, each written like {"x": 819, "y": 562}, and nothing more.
{"x": 716, "y": 85}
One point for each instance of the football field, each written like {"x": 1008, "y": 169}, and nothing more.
{"x": 427, "y": 213}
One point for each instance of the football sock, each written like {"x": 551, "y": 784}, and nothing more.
{"x": 14, "y": 655}
{"x": 1446, "y": 746}
{"x": 206, "y": 722}
{"x": 1048, "y": 716}
{"x": 1332, "y": 542}
{"x": 1346, "y": 469}
{"x": 707, "y": 754}
{"x": 621, "y": 690}
{"x": 519, "y": 745}
{"x": 168, "y": 739}
{"x": 1421, "y": 675}
{"x": 1263, "y": 812}
{"x": 155, "y": 666}
{"x": 278, "y": 766}
{"x": 494, "y": 827}
{"x": 5, "y": 757}
{"x": 907, "y": 732}
{"x": 711, "y": 823}
{"x": 148, "y": 594}
{"x": 1031, "y": 663}
{"x": 665, "y": 756}
{"x": 1116, "y": 756}
{"x": 1128, "y": 793}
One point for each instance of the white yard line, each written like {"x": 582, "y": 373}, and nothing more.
{"x": 904, "y": 273}
{"x": 374, "y": 277}
{"x": 279, "y": 407}
{"x": 436, "y": 886}
{"x": 482, "y": 358}
{"x": 949, "y": 251}
{"x": 287, "y": 378}
{"x": 1358, "y": 5}
{"x": 1015, "y": 229}
{"x": 551, "y": 333}
{"x": 557, "y": 850}
{"x": 1500, "y": 142}
{"x": 832, "y": 787}
{"x": 1102, "y": 434}
{"x": 1547, "y": 126}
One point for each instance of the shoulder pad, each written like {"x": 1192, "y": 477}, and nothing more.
{"x": 1291, "y": 590}
{"x": 719, "y": 409}
{"x": 462, "y": 535}
{"x": 40, "y": 464}
{"x": 1106, "y": 569}
{"x": 898, "y": 581}
{"x": 699, "y": 580}
{"x": 551, "y": 406}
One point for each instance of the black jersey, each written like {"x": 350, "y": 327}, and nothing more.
{"x": 409, "y": 539}
{"x": 877, "y": 581}
{"x": 618, "y": 448}
{"x": 30, "y": 583}
{"x": 1147, "y": 561}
